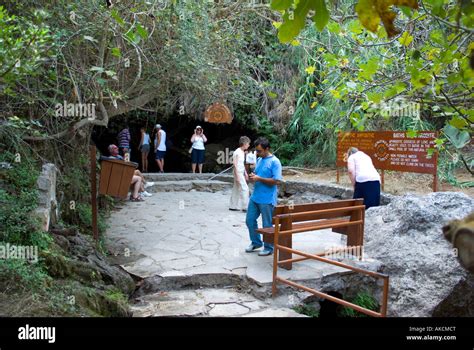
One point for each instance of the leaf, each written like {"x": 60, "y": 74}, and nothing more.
{"x": 405, "y": 39}
{"x": 132, "y": 37}
{"x": 458, "y": 122}
{"x": 374, "y": 97}
{"x": 116, "y": 52}
{"x": 310, "y": 70}
{"x": 117, "y": 18}
{"x": 334, "y": 27}
{"x": 142, "y": 31}
{"x": 271, "y": 94}
{"x": 372, "y": 12}
{"x": 369, "y": 69}
{"x": 400, "y": 87}
{"x": 291, "y": 27}
{"x": 437, "y": 6}
{"x": 335, "y": 93}
{"x": 458, "y": 138}
{"x": 321, "y": 17}
{"x": 276, "y": 24}
{"x": 281, "y": 5}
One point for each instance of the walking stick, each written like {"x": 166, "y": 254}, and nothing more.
{"x": 222, "y": 172}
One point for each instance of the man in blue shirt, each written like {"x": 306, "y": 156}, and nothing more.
{"x": 267, "y": 177}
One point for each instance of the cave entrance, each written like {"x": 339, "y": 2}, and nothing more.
{"x": 222, "y": 139}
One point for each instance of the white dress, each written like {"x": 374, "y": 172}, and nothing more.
{"x": 240, "y": 192}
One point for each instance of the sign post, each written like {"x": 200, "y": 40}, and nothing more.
{"x": 92, "y": 153}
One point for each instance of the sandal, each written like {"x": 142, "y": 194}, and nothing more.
{"x": 137, "y": 199}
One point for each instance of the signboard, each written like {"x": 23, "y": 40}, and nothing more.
{"x": 391, "y": 150}
{"x": 218, "y": 113}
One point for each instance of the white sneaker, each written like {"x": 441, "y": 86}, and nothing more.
{"x": 148, "y": 184}
{"x": 145, "y": 194}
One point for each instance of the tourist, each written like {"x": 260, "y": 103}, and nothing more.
{"x": 240, "y": 192}
{"x": 137, "y": 182}
{"x": 250, "y": 160}
{"x": 267, "y": 177}
{"x": 364, "y": 177}
{"x": 160, "y": 147}
{"x": 144, "y": 184}
{"x": 124, "y": 142}
{"x": 197, "y": 154}
{"x": 144, "y": 148}
{"x": 114, "y": 152}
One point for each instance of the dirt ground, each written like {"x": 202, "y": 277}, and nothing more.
{"x": 397, "y": 183}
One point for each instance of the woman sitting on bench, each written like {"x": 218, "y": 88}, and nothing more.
{"x": 138, "y": 182}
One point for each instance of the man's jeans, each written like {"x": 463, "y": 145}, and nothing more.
{"x": 253, "y": 212}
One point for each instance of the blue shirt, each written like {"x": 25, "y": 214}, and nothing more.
{"x": 270, "y": 168}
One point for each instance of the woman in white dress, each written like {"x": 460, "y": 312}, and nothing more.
{"x": 240, "y": 192}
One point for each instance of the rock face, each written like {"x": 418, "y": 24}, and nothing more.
{"x": 321, "y": 191}
{"x": 426, "y": 278}
{"x": 47, "y": 209}
{"x": 73, "y": 257}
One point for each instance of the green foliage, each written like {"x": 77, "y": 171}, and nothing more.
{"x": 84, "y": 219}
{"x": 18, "y": 198}
{"x": 353, "y": 79}
{"x": 21, "y": 274}
{"x": 370, "y": 12}
{"x": 307, "y": 310}
{"x": 364, "y": 300}
{"x": 24, "y": 45}
{"x": 116, "y": 295}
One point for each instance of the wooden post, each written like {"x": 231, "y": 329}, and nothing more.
{"x": 337, "y": 174}
{"x": 383, "y": 180}
{"x": 92, "y": 153}
{"x": 276, "y": 233}
{"x": 286, "y": 241}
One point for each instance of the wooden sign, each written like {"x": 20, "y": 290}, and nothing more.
{"x": 218, "y": 113}
{"x": 392, "y": 150}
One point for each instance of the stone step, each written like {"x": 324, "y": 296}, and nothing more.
{"x": 188, "y": 185}
{"x": 186, "y": 177}
{"x": 214, "y": 302}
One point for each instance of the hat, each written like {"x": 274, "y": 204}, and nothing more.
{"x": 198, "y": 127}
{"x": 158, "y": 126}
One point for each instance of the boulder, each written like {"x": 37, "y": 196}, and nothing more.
{"x": 47, "y": 210}
{"x": 426, "y": 278}
{"x": 320, "y": 190}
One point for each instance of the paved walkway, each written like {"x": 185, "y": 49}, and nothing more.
{"x": 186, "y": 233}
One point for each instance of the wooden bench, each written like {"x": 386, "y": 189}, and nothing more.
{"x": 343, "y": 216}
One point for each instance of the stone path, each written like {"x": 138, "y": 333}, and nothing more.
{"x": 191, "y": 232}
{"x": 182, "y": 233}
